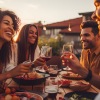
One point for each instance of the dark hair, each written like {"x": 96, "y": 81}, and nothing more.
{"x": 23, "y": 43}
{"x": 5, "y": 52}
{"x": 90, "y": 24}
{"x": 16, "y": 20}
{"x": 97, "y": 0}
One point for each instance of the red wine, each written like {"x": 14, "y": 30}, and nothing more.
{"x": 46, "y": 58}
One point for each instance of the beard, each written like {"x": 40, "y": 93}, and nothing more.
{"x": 88, "y": 45}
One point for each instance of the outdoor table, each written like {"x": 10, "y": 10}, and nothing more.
{"x": 64, "y": 91}
{"x": 61, "y": 93}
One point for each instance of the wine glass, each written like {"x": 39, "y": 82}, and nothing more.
{"x": 46, "y": 52}
{"x": 67, "y": 48}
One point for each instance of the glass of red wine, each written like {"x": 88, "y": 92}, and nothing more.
{"x": 46, "y": 52}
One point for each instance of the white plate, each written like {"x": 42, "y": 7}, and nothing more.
{"x": 36, "y": 96}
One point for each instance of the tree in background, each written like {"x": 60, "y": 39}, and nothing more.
{"x": 56, "y": 44}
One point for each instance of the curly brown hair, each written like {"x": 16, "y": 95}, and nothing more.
{"x": 5, "y": 51}
{"x": 15, "y": 18}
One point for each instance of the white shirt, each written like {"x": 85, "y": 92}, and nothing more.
{"x": 14, "y": 59}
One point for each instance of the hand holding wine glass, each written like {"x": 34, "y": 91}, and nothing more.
{"x": 67, "y": 48}
{"x": 46, "y": 54}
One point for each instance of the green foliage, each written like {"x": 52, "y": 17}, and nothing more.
{"x": 56, "y": 44}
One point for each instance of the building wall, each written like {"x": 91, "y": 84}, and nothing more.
{"x": 69, "y": 38}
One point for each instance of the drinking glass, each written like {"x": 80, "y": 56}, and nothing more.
{"x": 52, "y": 87}
{"x": 46, "y": 52}
{"x": 67, "y": 48}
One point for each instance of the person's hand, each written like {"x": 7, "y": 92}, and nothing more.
{"x": 71, "y": 60}
{"x": 39, "y": 62}
{"x": 20, "y": 69}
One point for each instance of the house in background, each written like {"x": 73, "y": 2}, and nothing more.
{"x": 68, "y": 29}
{"x": 86, "y": 16}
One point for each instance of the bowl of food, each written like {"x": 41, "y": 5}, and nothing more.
{"x": 32, "y": 78}
{"x": 80, "y": 95}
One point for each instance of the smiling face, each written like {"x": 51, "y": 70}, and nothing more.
{"x": 32, "y": 35}
{"x": 6, "y": 29}
{"x": 87, "y": 38}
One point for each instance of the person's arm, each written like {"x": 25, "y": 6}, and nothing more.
{"x": 18, "y": 70}
{"x": 5, "y": 76}
{"x": 94, "y": 80}
{"x": 75, "y": 65}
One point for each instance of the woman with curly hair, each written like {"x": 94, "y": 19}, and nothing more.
{"x": 9, "y": 25}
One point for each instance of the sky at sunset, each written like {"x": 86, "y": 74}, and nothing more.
{"x": 47, "y": 11}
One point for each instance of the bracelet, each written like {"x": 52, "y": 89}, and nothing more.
{"x": 89, "y": 76}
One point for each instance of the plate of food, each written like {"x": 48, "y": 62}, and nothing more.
{"x": 33, "y": 78}
{"x": 80, "y": 86}
{"x": 21, "y": 96}
{"x": 81, "y": 95}
{"x": 71, "y": 75}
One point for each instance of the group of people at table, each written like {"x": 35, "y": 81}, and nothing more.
{"x": 12, "y": 55}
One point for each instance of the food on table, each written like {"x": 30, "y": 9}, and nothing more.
{"x": 11, "y": 95}
{"x": 7, "y": 90}
{"x": 60, "y": 98}
{"x": 15, "y": 97}
{"x": 80, "y": 86}
{"x": 78, "y": 97}
{"x": 64, "y": 82}
{"x": 71, "y": 75}
{"x": 35, "y": 75}
{"x": 32, "y": 75}
{"x": 8, "y": 97}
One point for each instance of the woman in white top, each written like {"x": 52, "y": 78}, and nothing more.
{"x": 26, "y": 47}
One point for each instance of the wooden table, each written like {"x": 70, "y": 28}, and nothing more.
{"x": 62, "y": 91}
